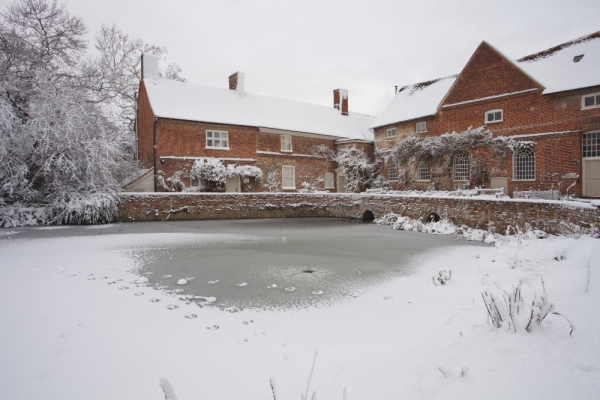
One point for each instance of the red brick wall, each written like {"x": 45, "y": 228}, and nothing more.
{"x": 489, "y": 74}
{"x": 551, "y": 216}
{"x": 308, "y": 167}
{"x": 145, "y": 128}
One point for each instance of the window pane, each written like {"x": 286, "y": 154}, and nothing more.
{"x": 209, "y": 134}
{"x": 461, "y": 167}
{"x": 498, "y": 115}
{"x": 524, "y": 165}
{"x": 217, "y": 134}
{"x": 392, "y": 171}
{"x": 223, "y": 135}
{"x": 589, "y": 101}
{"x": 217, "y": 143}
{"x": 209, "y": 143}
{"x": 490, "y": 117}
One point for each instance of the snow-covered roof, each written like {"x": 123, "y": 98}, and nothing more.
{"x": 185, "y": 101}
{"x": 416, "y": 101}
{"x": 555, "y": 69}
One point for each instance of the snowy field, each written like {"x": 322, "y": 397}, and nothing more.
{"x": 82, "y": 317}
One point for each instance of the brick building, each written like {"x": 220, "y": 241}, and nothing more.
{"x": 551, "y": 98}
{"x": 179, "y": 123}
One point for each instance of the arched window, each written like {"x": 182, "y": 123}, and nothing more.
{"x": 524, "y": 165}
{"x": 423, "y": 173}
{"x": 462, "y": 167}
{"x": 392, "y": 171}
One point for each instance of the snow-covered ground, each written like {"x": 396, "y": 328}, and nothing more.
{"x": 77, "y": 322}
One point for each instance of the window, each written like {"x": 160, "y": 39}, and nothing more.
{"x": 286, "y": 143}
{"x": 590, "y": 101}
{"x": 390, "y": 132}
{"x": 329, "y": 180}
{"x": 591, "y": 144}
{"x": 423, "y": 172}
{"x": 217, "y": 140}
{"x": 461, "y": 165}
{"x": 421, "y": 127}
{"x": 392, "y": 171}
{"x": 524, "y": 165}
{"x": 288, "y": 177}
{"x": 494, "y": 116}
{"x": 196, "y": 183}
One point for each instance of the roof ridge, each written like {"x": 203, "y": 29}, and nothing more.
{"x": 246, "y": 93}
{"x": 424, "y": 84}
{"x": 548, "y": 52}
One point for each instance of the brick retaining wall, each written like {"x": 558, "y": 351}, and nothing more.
{"x": 551, "y": 216}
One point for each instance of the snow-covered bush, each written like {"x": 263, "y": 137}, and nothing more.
{"x": 272, "y": 183}
{"x": 96, "y": 208}
{"x": 442, "y": 277}
{"x": 172, "y": 184}
{"x": 359, "y": 170}
{"x": 215, "y": 174}
{"x": 512, "y": 313}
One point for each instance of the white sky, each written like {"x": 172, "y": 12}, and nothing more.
{"x": 303, "y": 50}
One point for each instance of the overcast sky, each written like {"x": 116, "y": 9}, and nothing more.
{"x": 303, "y": 50}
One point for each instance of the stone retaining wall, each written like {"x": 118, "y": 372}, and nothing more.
{"x": 551, "y": 216}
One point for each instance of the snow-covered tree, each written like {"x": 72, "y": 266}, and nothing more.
{"x": 61, "y": 144}
{"x": 359, "y": 169}
{"x": 215, "y": 174}
{"x": 114, "y": 75}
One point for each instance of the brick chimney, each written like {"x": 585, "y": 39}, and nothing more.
{"x": 236, "y": 82}
{"x": 149, "y": 66}
{"x": 340, "y": 100}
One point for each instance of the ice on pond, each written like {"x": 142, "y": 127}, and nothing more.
{"x": 182, "y": 282}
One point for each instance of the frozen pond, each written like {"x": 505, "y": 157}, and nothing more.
{"x": 268, "y": 263}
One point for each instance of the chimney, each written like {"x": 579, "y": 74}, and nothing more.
{"x": 340, "y": 100}
{"x": 236, "y": 82}
{"x": 149, "y": 66}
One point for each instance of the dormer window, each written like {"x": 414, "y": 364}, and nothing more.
{"x": 578, "y": 58}
{"x": 421, "y": 127}
{"x": 493, "y": 116}
{"x": 590, "y": 101}
{"x": 390, "y": 132}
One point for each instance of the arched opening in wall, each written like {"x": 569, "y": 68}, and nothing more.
{"x": 367, "y": 216}
{"x": 432, "y": 217}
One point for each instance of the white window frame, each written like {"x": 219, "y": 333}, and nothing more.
{"x": 329, "y": 180}
{"x": 421, "y": 127}
{"x": 595, "y": 96}
{"x": 389, "y": 133}
{"x": 522, "y": 165}
{"x": 493, "y": 112}
{"x": 397, "y": 174}
{"x": 462, "y": 172}
{"x": 291, "y": 169}
{"x": 421, "y": 171}
{"x": 286, "y": 143}
{"x": 591, "y": 145}
{"x": 211, "y": 136}
{"x": 200, "y": 183}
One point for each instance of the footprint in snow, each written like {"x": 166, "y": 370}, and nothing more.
{"x": 172, "y": 306}
{"x": 243, "y": 340}
{"x": 91, "y": 279}
{"x": 124, "y": 288}
{"x": 232, "y": 309}
{"x": 212, "y": 328}
{"x": 140, "y": 293}
{"x": 154, "y": 300}
{"x": 190, "y": 316}
{"x": 248, "y": 321}
{"x": 388, "y": 297}
{"x": 290, "y": 289}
